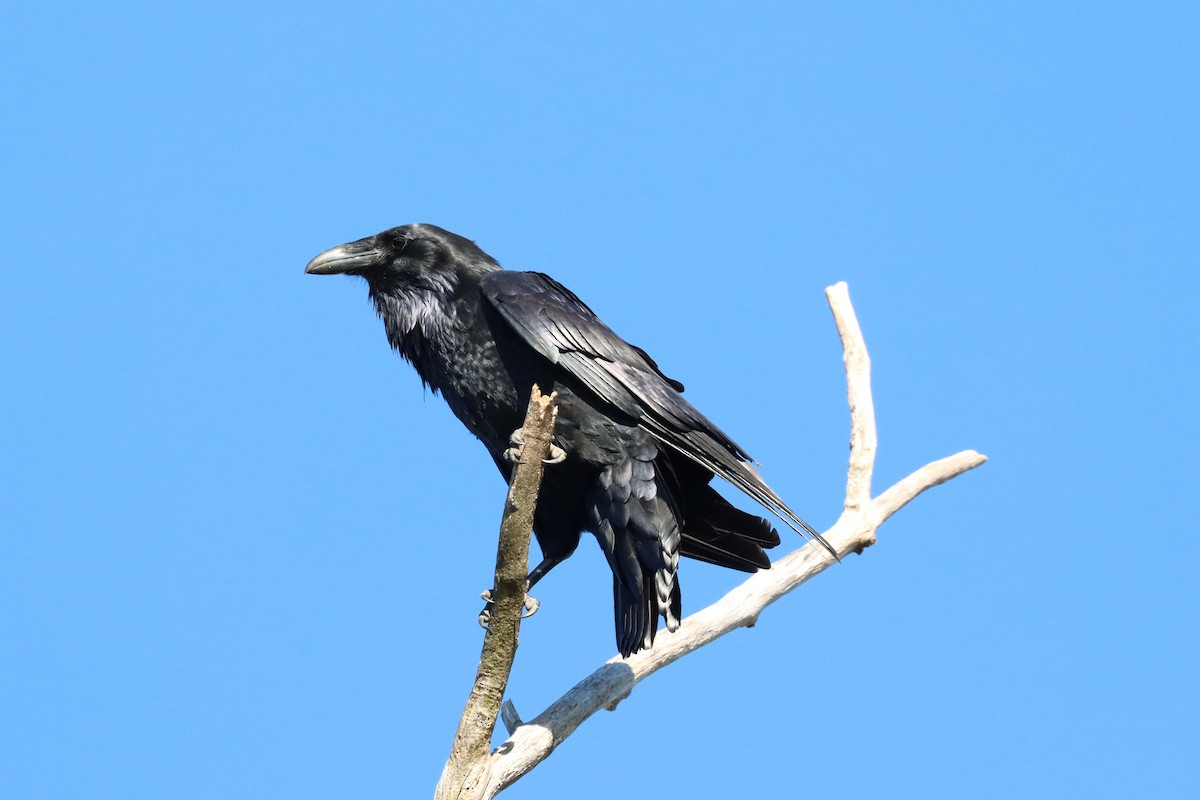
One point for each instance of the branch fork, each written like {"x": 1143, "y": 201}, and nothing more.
{"x": 473, "y": 772}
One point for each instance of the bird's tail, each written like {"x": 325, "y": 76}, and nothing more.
{"x": 719, "y": 533}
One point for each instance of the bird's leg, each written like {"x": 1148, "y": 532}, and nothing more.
{"x": 531, "y": 604}
{"x": 517, "y": 440}
{"x": 547, "y": 563}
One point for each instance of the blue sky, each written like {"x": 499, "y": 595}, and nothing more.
{"x": 241, "y": 549}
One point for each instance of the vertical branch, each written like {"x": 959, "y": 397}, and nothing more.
{"x": 468, "y": 768}
{"x": 858, "y": 389}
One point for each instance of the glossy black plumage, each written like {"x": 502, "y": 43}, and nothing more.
{"x": 639, "y": 457}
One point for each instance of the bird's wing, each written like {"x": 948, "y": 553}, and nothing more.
{"x": 559, "y": 326}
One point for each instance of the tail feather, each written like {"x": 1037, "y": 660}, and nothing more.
{"x": 717, "y": 532}
{"x": 727, "y": 551}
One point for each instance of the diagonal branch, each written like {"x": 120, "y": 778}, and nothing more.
{"x": 467, "y": 770}
{"x": 532, "y": 742}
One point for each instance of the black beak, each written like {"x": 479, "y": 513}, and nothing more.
{"x": 355, "y": 257}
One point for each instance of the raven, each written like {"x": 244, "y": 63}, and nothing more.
{"x": 637, "y": 458}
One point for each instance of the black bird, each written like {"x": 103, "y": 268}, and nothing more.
{"x": 637, "y": 456}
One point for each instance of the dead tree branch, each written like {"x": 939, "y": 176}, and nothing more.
{"x": 467, "y": 771}
{"x": 531, "y": 742}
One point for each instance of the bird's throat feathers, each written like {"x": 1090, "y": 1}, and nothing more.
{"x": 416, "y": 323}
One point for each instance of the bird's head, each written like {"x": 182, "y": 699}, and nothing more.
{"x": 405, "y": 259}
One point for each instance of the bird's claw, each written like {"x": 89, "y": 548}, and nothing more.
{"x": 528, "y": 608}
{"x": 517, "y": 441}
{"x": 485, "y": 616}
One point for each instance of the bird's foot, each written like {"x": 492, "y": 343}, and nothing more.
{"x": 528, "y": 608}
{"x": 517, "y": 441}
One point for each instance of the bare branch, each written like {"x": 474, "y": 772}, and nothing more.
{"x": 467, "y": 771}
{"x": 858, "y": 387}
{"x": 926, "y": 477}
{"x": 531, "y": 742}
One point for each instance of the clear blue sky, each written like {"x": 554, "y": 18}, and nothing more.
{"x": 241, "y": 550}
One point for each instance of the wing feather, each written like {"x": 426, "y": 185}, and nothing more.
{"x": 558, "y": 325}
